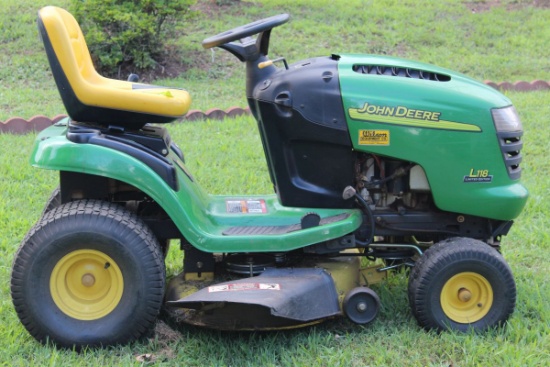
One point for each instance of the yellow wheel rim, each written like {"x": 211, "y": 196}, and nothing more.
{"x": 466, "y": 297}
{"x": 86, "y": 284}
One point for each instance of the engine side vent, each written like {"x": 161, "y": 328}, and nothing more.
{"x": 402, "y": 72}
{"x": 510, "y": 145}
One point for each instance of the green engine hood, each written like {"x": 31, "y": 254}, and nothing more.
{"x": 438, "y": 119}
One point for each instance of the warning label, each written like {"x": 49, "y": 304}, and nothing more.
{"x": 246, "y": 206}
{"x": 374, "y": 137}
{"x": 236, "y": 287}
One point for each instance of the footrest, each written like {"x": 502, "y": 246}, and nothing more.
{"x": 277, "y": 230}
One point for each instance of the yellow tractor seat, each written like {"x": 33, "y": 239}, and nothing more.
{"x": 89, "y": 97}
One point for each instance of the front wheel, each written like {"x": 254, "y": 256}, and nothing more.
{"x": 461, "y": 284}
{"x": 88, "y": 273}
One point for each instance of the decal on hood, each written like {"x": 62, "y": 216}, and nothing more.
{"x": 405, "y": 116}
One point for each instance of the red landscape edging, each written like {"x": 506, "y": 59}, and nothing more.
{"x": 19, "y": 126}
{"x": 521, "y": 86}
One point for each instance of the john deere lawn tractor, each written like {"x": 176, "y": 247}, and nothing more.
{"x": 377, "y": 163}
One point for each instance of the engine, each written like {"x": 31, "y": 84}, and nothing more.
{"x": 387, "y": 184}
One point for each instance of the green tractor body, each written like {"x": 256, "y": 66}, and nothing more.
{"x": 370, "y": 156}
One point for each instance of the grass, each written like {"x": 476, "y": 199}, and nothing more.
{"x": 393, "y": 340}
{"x": 226, "y": 157}
{"x": 505, "y": 42}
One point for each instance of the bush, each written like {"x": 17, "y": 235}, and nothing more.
{"x": 122, "y": 33}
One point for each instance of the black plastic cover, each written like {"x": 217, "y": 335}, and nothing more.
{"x": 138, "y": 144}
{"x": 311, "y": 87}
{"x": 295, "y": 295}
{"x": 304, "y": 133}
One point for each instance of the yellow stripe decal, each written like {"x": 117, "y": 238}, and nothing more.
{"x": 404, "y": 116}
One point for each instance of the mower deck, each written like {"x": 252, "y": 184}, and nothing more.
{"x": 279, "y": 298}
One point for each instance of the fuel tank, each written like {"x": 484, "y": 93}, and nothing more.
{"x": 305, "y": 134}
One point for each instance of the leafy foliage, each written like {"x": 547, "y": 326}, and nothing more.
{"x": 127, "y": 32}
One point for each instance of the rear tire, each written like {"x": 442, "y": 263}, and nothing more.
{"x": 88, "y": 273}
{"x": 53, "y": 201}
{"x": 461, "y": 284}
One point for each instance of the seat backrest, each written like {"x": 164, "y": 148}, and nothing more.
{"x": 74, "y": 56}
{"x": 68, "y": 54}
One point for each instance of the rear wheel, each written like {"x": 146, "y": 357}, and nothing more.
{"x": 461, "y": 284}
{"x": 53, "y": 201}
{"x": 88, "y": 273}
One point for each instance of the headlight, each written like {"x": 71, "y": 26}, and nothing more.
{"x": 506, "y": 119}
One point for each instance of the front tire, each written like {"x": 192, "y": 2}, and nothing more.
{"x": 461, "y": 284}
{"x": 88, "y": 273}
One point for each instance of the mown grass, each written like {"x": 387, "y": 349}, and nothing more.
{"x": 496, "y": 40}
{"x": 226, "y": 157}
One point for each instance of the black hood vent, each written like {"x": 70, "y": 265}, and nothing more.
{"x": 511, "y": 144}
{"x": 402, "y": 72}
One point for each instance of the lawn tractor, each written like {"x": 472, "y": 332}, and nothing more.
{"x": 377, "y": 163}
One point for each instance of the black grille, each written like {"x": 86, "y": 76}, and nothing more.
{"x": 510, "y": 145}
{"x": 402, "y": 72}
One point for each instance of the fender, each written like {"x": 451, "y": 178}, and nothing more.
{"x": 201, "y": 218}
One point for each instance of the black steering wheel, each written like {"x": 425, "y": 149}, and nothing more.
{"x": 245, "y": 31}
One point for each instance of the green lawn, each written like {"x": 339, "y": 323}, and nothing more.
{"x": 507, "y": 42}
{"x": 393, "y": 339}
